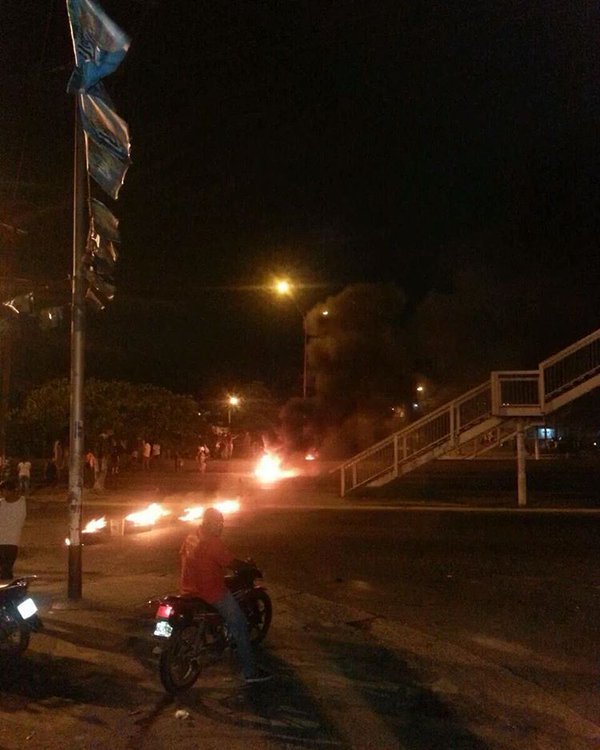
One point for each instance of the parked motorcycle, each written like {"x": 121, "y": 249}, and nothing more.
{"x": 193, "y": 633}
{"x": 18, "y": 617}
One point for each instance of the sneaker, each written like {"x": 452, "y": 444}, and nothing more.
{"x": 261, "y": 675}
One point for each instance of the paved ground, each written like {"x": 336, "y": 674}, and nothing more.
{"x": 344, "y": 679}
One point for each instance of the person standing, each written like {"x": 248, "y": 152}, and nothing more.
{"x": 50, "y": 473}
{"x": 202, "y": 457}
{"x": 24, "y": 472}
{"x": 146, "y": 452}
{"x": 89, "y": 469}
{"x": 13, "y": 510}
{"x": 177, "y": 460}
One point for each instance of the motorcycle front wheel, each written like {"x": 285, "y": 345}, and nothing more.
{"x": 259, "y": 616}
{"x": 180, "y": 664}
{"x": 13, "y": 640}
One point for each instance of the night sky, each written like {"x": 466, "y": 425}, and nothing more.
{"x": 337, "y": 142}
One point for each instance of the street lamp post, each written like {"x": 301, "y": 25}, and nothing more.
{"x": 285, "y": 289}
{"x": 305, "y": 357}
{"x": 232, "y": 403}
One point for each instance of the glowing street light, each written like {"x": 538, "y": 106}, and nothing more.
{"x": 283, "y": 287}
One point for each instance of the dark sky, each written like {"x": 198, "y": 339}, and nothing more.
{"x": 338, "y": 141}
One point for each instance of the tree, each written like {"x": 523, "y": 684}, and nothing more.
{"x": 130, "y": 411}
{"x": 257, "y": 409}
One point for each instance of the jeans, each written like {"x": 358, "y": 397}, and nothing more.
{"x": 24, "y": 485}
{"x": 230, "y": 611}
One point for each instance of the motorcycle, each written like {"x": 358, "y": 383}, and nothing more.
{"x": 18, "y": 617}
{"x": 193, "y": 634}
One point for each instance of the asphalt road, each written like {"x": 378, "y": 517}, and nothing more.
{"x": 520, "y": 590}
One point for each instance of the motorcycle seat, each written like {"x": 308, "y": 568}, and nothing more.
{"x": 192, "y": 602}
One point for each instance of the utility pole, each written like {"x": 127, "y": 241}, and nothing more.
{"x": 99, "y": 46}
{"x": 8, "y": 249}
{"x": 77, "y": 362}
{"x": 305, "y": 358}
{"x": 6, "y": 344}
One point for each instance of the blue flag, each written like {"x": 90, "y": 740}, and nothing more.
{"x": 99, "y": 44}
{"x": 107, "y": 140}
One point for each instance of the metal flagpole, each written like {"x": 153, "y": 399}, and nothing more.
{"x": 77, "y": 360}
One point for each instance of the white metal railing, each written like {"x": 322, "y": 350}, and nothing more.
{"x": 570, "y": 367}
{"x": 507, "y": 395}
{"x": 516, "y": 393}
{"x": 485, "y": 440}
{"x": 441, "y": 427}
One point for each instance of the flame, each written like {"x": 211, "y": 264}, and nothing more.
{"x": 195, "y": 513}
{"x": 227, "y": 507}
{"x": 192, "y": 514}
{"x": 95, "y": 525}
{"x": 268, "y": 469}
{"x": 148, "y": 516}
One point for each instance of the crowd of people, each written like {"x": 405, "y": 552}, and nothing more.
{"x": 110, "y": 455}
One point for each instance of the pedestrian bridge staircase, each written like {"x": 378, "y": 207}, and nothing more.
{"x": 480, "y": 419}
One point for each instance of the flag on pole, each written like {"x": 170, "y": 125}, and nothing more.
{"x": 104, "y": 233}
{"x": 104, "y": 222}
{"x": 99, "y": 46}
{"x": 107, "y": 169}
{"x": 98, "y": 43}
{"x": 107, "y": 139}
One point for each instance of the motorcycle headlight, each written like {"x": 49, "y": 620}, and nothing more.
{"x": 27, "y": 608}
{"x": 162, "y": 629}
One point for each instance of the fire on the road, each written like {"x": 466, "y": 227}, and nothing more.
{"x": 95, "y": 525}
{"x": 195, "y": 513}
{"x": 148, "y": 516}
{"x": 268, "y": 469}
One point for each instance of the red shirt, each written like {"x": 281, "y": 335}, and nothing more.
{"x": 203, "y": 560}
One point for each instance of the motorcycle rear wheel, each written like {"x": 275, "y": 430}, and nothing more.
{"x": 179, "y": 665}
{"x": 259, "y": 619}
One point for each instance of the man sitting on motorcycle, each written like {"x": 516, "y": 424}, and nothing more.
{"x": 204, "y": 558}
